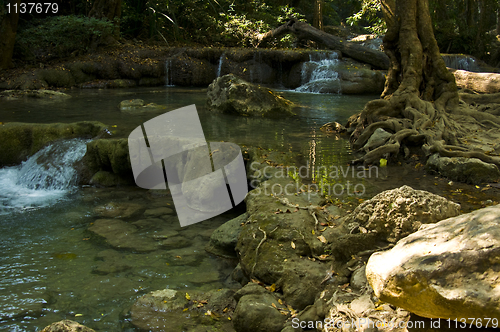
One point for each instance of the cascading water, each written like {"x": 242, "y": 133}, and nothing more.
{"x": 43, "y": 179}
{"x": 221, "y": 61}
{"x": 462, "y": 62}
{"x": 320, "y": 75}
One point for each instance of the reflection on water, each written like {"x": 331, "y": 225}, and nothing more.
{"x": 53, "y": 268}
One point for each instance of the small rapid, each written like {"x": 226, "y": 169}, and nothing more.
{"x": 43, "y": 179}
{"x": 319, "y": 74}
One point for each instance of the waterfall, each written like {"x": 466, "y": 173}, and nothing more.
{"x": 43, "y": 179}
{"x": 168, "y": 73}
{"x": 219, "y": 68}
{"x": 460, "y": 61}
{"x": 319, "y": 74}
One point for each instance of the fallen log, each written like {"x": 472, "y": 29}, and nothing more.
{"x": 478, "y": 82}
{"x": 304, "y": 31}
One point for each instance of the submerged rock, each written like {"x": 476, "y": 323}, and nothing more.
{"x": 468, "y": 170}
{"x": 122, "y": 235}
{"x": 445, "y": 270}
{"x": 378, "y": 138}
{"x": 172, "y": 310}
{"x": 225, "y": 238}
{"x": 40, "y": 94}
{"x": 67, "y": 326}
{"x": 137, "y": 106}
{"x": 233, "y": 95}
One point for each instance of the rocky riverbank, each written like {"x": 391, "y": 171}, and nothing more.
{"x": 125, "y": 66}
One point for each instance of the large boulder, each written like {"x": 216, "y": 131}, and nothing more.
{"x": 446, "y": 270}
{"x": 468, "y": 170}
{"x": 359, "y": 80}
{"x": 396, "y": 213}
{"x": 18, "y": 141}
{"x": 233, "y": 95}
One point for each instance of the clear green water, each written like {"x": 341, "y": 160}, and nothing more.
{"x": 49, "y": 260}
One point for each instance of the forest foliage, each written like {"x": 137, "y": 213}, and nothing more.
{"x": 461, "y": 26}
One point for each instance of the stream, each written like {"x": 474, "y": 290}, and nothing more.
{"x": 51, "y": 267}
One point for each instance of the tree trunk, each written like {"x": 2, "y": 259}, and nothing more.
{"x": 419, "y": 95}
{"x": 303, "y": 30}
{"x": 107, "y": 9}
{"x": 8, "y": 30}
{"x": 318, "y": 15}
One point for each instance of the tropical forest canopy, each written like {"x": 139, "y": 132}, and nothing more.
{"x": 460, "y": 26}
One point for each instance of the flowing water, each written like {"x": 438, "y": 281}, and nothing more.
{"x": 320, "y": 75}
{"x": 53, "y": 268}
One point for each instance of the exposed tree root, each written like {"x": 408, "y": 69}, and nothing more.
{"x": 420, "y": 105}
{"x": 258, "y": 246}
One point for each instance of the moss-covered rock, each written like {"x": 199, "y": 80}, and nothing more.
{"x": 40, "y": 94}
{"x": 186, "y": 71}
{"x": 233, "y": 95}
{"x": 108, "y": 155}
{"x": 18, "y": 141}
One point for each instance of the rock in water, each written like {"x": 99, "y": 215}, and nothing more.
{"x": 224, "y": 239}
{"x": 67, "y": 326}
{"x": 233, "y": 95}
{"x": 468, "y": 170}
{"x": 446, "y": 270}
{"x": 378, "y": 138}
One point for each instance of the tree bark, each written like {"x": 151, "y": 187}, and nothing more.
{"x": 318, "y": 15}
{"x": 8, "y": 30}
{"x": 303, "y": 30}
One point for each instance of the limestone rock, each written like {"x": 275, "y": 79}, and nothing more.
{"x": 135, "y": 106}
{"x": 469, "y": 170}
{"x": 172, "y": 310}
{"x": 110, "y": 155}
{"x": 225, "y": 238}
{"x": 18, "y": 141}
{"x": 231, "y": 94}
{"x": 111, "y": 261}
{"x": 394, "y": 214}
{"x": 120, "y": 234}
{"x": 255, "y": 311}
{"x": 361, "y": 80}
{"x": 445, "y": 270}
{"x": 119, "y": 210}
{"x": 41, "y": 94}
{"x": 378, "y": 138}
{"x": 190, "y": 71}
{"x": 67, "y": 326}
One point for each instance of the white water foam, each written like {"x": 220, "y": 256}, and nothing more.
{"x": 320, "y": 75}
{"x": 45, "y": 178}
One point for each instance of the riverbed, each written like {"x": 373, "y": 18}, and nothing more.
{"x": 51, "y": 267}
